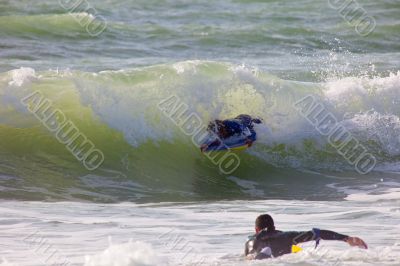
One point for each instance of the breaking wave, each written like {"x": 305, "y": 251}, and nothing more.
{"x": 146, "y": 153}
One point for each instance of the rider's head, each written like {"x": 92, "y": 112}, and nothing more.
{"x": 263, "y": 222}
{"x": 215, "y": 126}
{"x": 220, "y": 129}
{"x": 256, "y": 120}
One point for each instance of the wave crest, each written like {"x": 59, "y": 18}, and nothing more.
{"x": 117, "y": 111}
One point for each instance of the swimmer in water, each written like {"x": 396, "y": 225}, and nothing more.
{"x": 269, "y": 242}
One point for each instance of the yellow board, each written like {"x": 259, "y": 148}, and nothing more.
{"x": 238, "y": 148}
{"x": 296, "y": 249}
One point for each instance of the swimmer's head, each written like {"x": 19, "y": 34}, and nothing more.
{"x": 263, "y": 222}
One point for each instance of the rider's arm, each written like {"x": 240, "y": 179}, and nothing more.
{"x": 300, "y": 237}
{"x": 316, "y": 235}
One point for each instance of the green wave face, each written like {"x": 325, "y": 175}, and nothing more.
{"x": 69, "y": 25}
{"x": 146, "y": 155}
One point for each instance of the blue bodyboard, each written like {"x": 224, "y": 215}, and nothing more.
{"x": 237, "y": 142}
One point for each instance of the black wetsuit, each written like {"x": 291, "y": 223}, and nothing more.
{"x": 235, "y": 126}
{"x": 277, "y": 243}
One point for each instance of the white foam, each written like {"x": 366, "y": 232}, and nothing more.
{"x": 390, "y": 194}
{"x": 129, "y": 254}
{"x": 4, "y": 262}
{"x": 383, "y": 129}
{"x": 21, "y": 75}
{"x": 81, "y": 15}
{"x": 182, "y": 67}
{"x": 347, "y": 89}
{"x": 245, "y": 70}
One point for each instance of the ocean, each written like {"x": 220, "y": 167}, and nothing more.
{"x": 104, "y": 103}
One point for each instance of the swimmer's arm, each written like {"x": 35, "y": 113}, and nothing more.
{"x": 301, "y": 237}
{"x": 330, "y": 235}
